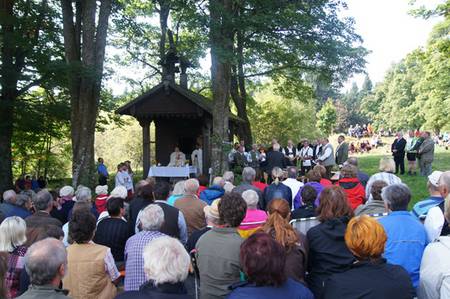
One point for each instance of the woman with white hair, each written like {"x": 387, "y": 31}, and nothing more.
{"x": 178, "y": 191}
{"x": 101, "y": 198}
{"x": 66, "y": 201}
{"x": 276, "y": 189}
{"x": 254, "y": 218}
{"x": 12, "y": 240}
{"x": 386, "y": 174}
{"x": 166, "y": 266}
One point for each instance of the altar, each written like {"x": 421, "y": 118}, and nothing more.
{"x": 172, "y": 172}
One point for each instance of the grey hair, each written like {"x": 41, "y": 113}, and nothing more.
{"x": 228, "y": 176}
{"x": 83, "y": 194}
{"x": 30, "y": 193}
{"x": 22, "y": 199}
{"x": 248, "y": 175}
{"x": 166, "y": 261}
{"x": 43, "y": 260}
{"x": 43, "y": 200}
{"x": 396, "y": 196}
{"x": 152, "y": 217}
{"x": 9, "y": 196}
{"x": 178, "y": 189}
{"x": 218, "y": 181}
{"x": 191, "y": 186}
{"x": 445, "y": 179}
{"x": 292, "y": 172}
{"x": 353, "y": 161}
{"x": 12, "y": 233}
{"x": 251, "y": 198}
{"x": 277, "y": 174}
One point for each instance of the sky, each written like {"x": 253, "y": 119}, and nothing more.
{"x": 388, "y": 32}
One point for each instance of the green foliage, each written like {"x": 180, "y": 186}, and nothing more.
{"x": 326, "y": 117}
{"x": 275, "y": 116}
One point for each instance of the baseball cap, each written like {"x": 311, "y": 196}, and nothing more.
{"x": 434, "y": 177}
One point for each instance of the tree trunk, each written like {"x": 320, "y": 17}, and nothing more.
{"x": 221, "y": 41}
{"x": 8, "y": 95}
{"x": 164, "y": 10}
{"x": 84, "y": 84}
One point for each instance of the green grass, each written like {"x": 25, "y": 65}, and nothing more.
{"x": 418, "y": 184}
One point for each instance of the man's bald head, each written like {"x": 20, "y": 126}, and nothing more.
{"x": 45, "y": 261}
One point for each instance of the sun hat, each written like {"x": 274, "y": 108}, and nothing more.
{"x": 66, "y": 191}
{"x": 101, "y": 189}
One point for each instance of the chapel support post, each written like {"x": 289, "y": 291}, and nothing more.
{"x": 145, "y": 124}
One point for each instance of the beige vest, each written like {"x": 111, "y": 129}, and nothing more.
{"x": 86, "y": 277}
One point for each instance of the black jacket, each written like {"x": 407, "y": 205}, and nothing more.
{"x": 328, "y": 253}
{"x": 399, "y": 145}
{"x": 137, "y": 204}
{"x": 113, "y": 233}
{"x": 370, "y": 280}
{"x": 170, "y": 226}
{"x": 275, "y": 159}
{"x": 163, "y": 291}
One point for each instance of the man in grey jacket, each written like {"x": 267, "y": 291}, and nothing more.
{"x": 426, "y": 154}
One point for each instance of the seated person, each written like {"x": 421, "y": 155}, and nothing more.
{"x": 352, "y": 186}
{"x": 323, "y": 175}
{"x": 420, "y": 209}
{"x": 370, "y": 276}
{"x": 254, "y": 218}
{"x": 263, "y": 261}
{"x": 376, "y": 206}
{"x": 203, "y": 182}
{"x": 313, "y": 177}
{"x": 308, "y": 209}
{"x": 102, "y": 198}
{"x": 166, "y": 266}
{"x": 214, "y": 192}
{"x": 177, "y": 158}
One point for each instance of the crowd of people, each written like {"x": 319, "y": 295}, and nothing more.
{"x": 235, "y": 240}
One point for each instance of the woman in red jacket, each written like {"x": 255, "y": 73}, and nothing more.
{"x": 352, "y": 186}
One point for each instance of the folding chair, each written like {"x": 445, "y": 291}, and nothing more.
{"x": 302, "y": 225}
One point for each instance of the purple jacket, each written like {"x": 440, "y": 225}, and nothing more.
{"x": 298, "y": 198}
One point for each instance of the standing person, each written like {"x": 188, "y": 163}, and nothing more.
{"x": 218, "y": 249}
{"x": 327, "y": 156}
{"x": 240, "y": 159}
{"x": 407, "y": 237}
{"x": 253, "y": 158}
{"x": 12, "y": 241}
{"x": 317, "y": 150}
{"x": 306, "y": 155}
{"x": 275, "y": 158}
{"x": 370, "y": 277}
{"x": 341, "y": 151}
{"x": 197, "y": 159}
{"x": 328, "y": 253}
{"x": 411, "y": 152}
{"x": 426, "y": 154}
{"x": 123, "y": 179}
{"x": 290, "y": 152}
{"x": 177, "y": 158}
{"x": 129, "y": 170}
{"x": 398, "y": 152}
{"x": 102, "y": 172}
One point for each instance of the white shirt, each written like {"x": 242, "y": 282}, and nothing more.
{"x": 177, "y": 159}
{"x": 435, "y": 271}
{"x": 328, "y": 151}
{"x": 294, "y": 185}
{"x": 433, "y": 223}
{"x": 197, "y": 160}
{"x": 306, "y": 152}
{"x": 123, "y": 179}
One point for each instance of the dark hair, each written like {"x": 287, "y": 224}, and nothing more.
{"x": 161, "y": 190}
{"x": 309, "y": 194}
{"x": 333, "y": 204}
{"x": 232, "y": 208}
{"x": 113, "y": 205}
{"x": 376, "y": 189}
{"x": 82, "y": 226}
{"x": 147, "y": 192}
{"x": 203, "y": 180}
{"x": 263, "y": 260}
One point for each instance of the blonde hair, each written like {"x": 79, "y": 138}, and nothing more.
{"x": 277, "y": 175}
{"x": 12, "y": 233}
{"x": 166, "y": 261}
{"x": 387, "y": 164}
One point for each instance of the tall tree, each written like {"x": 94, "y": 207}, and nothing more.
{"x": 221, "y": 43}
{"x": 29, "y": 57}
{"x": 326, "y": 117}
{"x": 85, "y": 42}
